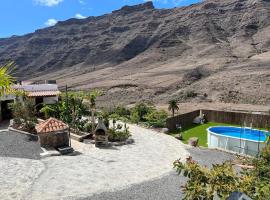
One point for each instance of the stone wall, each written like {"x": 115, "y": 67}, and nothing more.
{"x": 56, "y": 140}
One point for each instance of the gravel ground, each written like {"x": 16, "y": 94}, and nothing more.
{"x": 139, "y": 171}
{"x": 4, "y": 124}
{"x": 92, "y": 171}
{"x": 18, "y": 145}
{"x": 167, "y": 187}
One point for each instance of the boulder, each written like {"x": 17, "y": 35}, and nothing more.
{"x": 194, "y": 141}
{"x": 165, "y": 130}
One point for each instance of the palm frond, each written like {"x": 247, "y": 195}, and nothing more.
{"x": 6, "y": 78}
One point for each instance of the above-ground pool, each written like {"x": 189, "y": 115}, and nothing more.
{"x": 241, "y": 140}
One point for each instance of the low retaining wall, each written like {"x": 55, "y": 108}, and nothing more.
{"x": 32, "y": 136}
{"x": 238, "y": 118}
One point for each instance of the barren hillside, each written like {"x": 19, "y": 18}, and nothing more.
{"x": 211, "y": 51}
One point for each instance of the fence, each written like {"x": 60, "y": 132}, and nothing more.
{"x": 184, "y": 120}
{"x": 237, "y": 118}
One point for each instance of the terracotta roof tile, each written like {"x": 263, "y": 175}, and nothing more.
{"x": 51, "y": 125}
{"x": 43, "y": 93}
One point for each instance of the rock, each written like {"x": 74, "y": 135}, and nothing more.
{"x": 165, "y": 130}
{"x": 193, "y": 141}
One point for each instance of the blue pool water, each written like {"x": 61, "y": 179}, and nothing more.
{"x": 238, "y": 132}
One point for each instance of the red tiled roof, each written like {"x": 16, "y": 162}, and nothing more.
{"x": 51, "y": 125}
{"x": 43, "y": 93}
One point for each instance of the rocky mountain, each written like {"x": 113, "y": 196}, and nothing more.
{"x": 211, "y": 51}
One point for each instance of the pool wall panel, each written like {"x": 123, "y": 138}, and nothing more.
{"x": 233, "y": 144}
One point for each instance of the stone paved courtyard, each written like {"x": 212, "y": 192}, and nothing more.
{"x": 91, "y": 171}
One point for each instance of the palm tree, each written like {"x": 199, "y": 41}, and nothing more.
{"x": 91, "y": 98}
{"x": 173, "y": 105}
{"x": 6, "y": 80}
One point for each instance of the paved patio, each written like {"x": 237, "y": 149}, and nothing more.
{"x": 92, "y": 171}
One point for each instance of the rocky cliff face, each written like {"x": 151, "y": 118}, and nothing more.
{"x": 211, "y": 51}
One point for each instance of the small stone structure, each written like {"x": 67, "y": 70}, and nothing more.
{"x": 101, "y": 134}
{"x": 53, "y": 133}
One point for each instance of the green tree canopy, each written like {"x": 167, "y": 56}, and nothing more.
{"x": 173, "y": 106}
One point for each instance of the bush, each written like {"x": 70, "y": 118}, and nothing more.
{"x": 135, "y": 118}
{"x": 87, "y": 127}
{"x": 24, "y": 115}
{"x": 141, "y": 110}
{"x": 157, "y": 118}
{"x": 121, "y": 111}
{"x": 190, "y": 94}
{"x": 116, "y": 135}
{"x": 141, "y": 113}
{"x": 222, "y": 179}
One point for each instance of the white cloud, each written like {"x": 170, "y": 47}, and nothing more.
{"x": 48, "y": 2}
{"x": 81, "y": 1}
{"x": 79, "y": 16}
{"x": 50, "y": 22}
{"x": 177, "y": 2}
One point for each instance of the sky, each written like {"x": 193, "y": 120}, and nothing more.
{"x": 18, "y": 17}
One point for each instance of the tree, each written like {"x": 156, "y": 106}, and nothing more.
{"x": 173, "y": 105}
{"x": 91, "y": 98}
{"x": 47, "y": 110}
{"x": 6, "y": 79}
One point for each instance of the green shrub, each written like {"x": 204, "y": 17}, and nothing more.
{"x": 190, "y": 94}
{"x": 135, "y": 118}
{"x": 121, "y": 111}
{"x": 140, "y": 111}
{"x": 157, "y": 118}
{"x": 87, "y": 127}
{"x": 24, "y": 114}
{"x": 222, "y": 179}
{"x": 116, "y": 135}
{"x": 119, "y": 126}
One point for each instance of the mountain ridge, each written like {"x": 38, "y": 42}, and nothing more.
{"x": 210, "y": 51}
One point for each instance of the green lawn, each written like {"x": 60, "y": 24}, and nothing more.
{"x": 199, "y": 131}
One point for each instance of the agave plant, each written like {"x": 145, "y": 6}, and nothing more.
{"x": 6, "y": 79}
{"x": 91, "y": 101}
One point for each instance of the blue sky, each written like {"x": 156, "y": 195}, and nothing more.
{"x": 18, "y": 17}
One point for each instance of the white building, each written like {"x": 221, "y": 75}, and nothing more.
{"x": 42, "y": 93}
